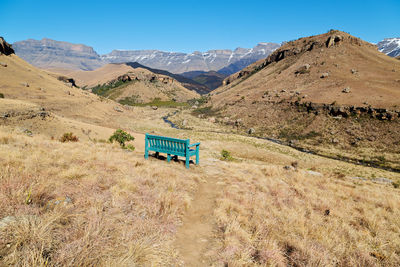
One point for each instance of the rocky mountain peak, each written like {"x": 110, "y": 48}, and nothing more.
{"x": 5, "y": 48}
{"x": 390, "y": 46}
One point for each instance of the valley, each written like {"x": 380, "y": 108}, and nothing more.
{"x": 325, "y": 102}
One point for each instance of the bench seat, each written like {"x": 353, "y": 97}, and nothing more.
{"x": 171, "y": 146}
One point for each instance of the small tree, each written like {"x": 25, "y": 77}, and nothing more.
{"x": 121, "y": 137}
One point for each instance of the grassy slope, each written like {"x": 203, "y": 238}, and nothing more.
{"x": 92, "y": 203}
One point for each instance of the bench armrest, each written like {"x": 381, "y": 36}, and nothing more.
{"x": 195, "y": 144}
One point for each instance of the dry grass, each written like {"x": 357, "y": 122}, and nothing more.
{"x": 270, "y": 216}
{"x": 86, "y": 204}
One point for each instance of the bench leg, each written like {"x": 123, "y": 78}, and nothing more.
{"x": 187, "y": 162}
{"x": 157, "y": 154}
{"x": 197, "y": 156}
{"x": 146, "y": 154}
{"x": 168, "y": 157}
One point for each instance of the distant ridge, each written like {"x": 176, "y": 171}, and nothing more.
{"x": 52, "y": 54}
{"x": 186, "y": 82}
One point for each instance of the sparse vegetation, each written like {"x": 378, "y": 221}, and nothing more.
{"x": 130, "y": 147}
{"x": 87, "y": 205}
{"x": 69, "y": 137}
{"x": 132, "y": 101}
{"x": 226, "y": 155}
{"x": 103, "y": 89}
{"x": 121, "y": 137}
{"x": 201, "y": 101}
{"x": 1, "y": 95}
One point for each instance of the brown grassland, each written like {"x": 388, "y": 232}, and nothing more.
{"x": 91, "y": 203}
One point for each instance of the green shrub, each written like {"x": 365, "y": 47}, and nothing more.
{"x": 1, "y": 95}
{"x": 226, "y": 155}
{"x": 121, "y": 137}
{"x": 68, "y": 137}
{"x": 130, "y": 147}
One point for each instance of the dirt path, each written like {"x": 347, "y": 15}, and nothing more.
{"x": 196, "y": 234}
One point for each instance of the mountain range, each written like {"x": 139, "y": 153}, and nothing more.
{"x": 51, "y": 54}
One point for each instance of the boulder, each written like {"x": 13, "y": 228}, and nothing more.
{"x": 251, "y": 131}
{"x": 324, "y": 75}
{"x": 124, "y": 78}
{"x": 303, "y": 69}
{"x": 289, "y": 168}
{"x": 333, "y": 40}
{"x": 3, "y": 64}
{"x": 5, "y": 48}
{"x": 117, "y": 109}
{"x": 154, "y": 107}
{"x": 334, "y": 141}
{"x": 314, "y": 173}
{"x": 353, "y": 71}
{"x": 346, "y": 90}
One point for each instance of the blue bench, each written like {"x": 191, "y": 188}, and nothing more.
{"x": 171, "y": 146}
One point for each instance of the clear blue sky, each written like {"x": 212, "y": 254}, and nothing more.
{"x": 193, "y": 25}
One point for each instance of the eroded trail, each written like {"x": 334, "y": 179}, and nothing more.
{"x": 195, "y": 236}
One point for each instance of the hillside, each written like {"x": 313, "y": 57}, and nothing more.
{"x": 330, "y": 92}
{"x": 186, "y": 82}
{"x": 122, "y": 83}
{"x": 211, "y": 79}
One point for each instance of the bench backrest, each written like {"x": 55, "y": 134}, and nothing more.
{"x": 163, "y": 143}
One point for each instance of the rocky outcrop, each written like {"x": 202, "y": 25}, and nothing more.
{"x": 68, "y": 81}
{"x": 5, "y": 48}
{"x": 347, "y": 111}
{"x": 334, "y": 40}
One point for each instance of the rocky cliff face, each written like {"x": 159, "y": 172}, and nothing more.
{"x": 5, "y": 48}
{"x": 47, "y": 53}
{"x": 390, "y": 46}
{"x": 212, "y": 60}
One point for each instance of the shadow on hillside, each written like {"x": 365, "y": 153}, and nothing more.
{"x": 173, "y": 158}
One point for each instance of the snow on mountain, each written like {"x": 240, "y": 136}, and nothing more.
{"x": 390, "y": 46}
{"x": 212, "y": 60}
